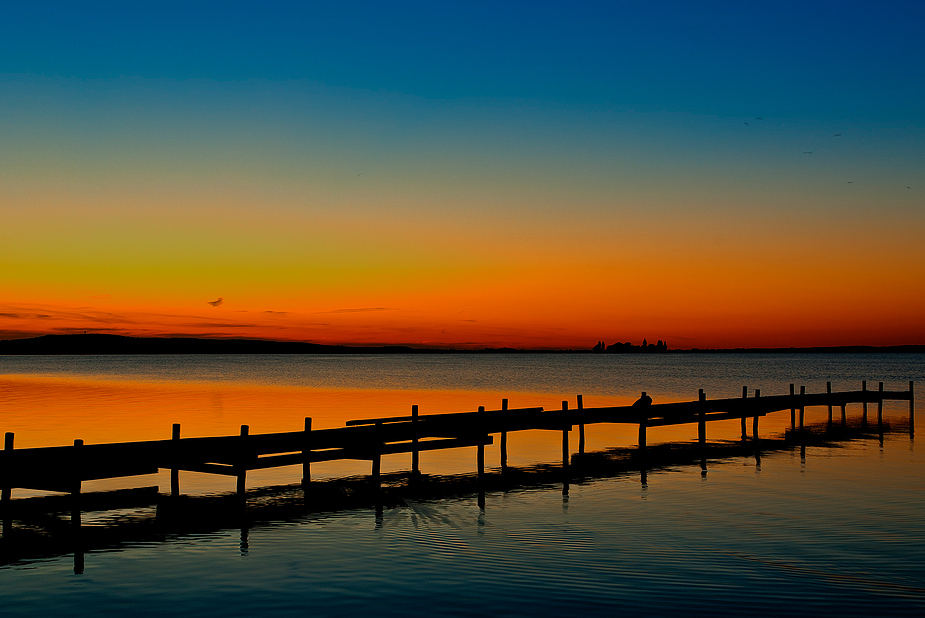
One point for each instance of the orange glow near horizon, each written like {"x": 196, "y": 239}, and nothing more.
{"x": 753, "y": 301}
{"x": 559, "y": 251}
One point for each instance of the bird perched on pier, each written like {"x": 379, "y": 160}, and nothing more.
{"x": 645, "y": 400}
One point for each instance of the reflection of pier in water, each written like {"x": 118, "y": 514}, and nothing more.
{"x": 40, "y": 530}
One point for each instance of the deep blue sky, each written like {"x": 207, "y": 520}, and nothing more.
{"x": 838, "y": 59}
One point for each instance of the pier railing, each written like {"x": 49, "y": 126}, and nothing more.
{"x": 64, "y": 468}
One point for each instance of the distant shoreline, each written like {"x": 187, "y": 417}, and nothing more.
{"x": 102, "y": 344}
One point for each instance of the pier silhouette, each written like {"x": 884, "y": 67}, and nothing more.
{"x": 40, "y": 528}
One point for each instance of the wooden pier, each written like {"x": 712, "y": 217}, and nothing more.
{"x": 65, "y": 468}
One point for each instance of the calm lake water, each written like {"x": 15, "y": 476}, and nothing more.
{"x": 836, "y": 530}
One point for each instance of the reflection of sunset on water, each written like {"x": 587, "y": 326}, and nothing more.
{"x": 46, "y": 411}
{"x": 54, "y": 410}
{"x": 50, "y": 411}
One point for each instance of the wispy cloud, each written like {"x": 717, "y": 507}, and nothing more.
{"x": 26, "y": 316}
{"x": 357, "y": 310}
{"x": 219, "y": 325}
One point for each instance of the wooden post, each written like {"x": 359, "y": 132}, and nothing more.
{"x": 864, "y": 397}
{"x": 828, "y": 390}
{"x": 581, "y": 428}
{"x": 565, "y": 451}
{"x": 880, "y": 409}
{"x": 480, "y": 455}
{"x": 702, "y": 420}
{"x": 415, "y": 453}
{"x": 174, "y": 470}
{"x": 702, "y": 433}
{"x": 7, "y": 491}
{"x": 307, "y": 454}
{"x": 76, "y": 540}
{"x": 565, "y": 430}
{"x": 744, "y": 413}
{"x": 844, "y": 416}
{"x": 802, "y": 406}
{"x": 503, "y": 436}
{"x": 755, "y": 420}
{"x": 377, "y": 454}
{"x": 793, "y": 411}
{"x": 75, "y": 485}
{"x": 243, "y": 456}
{"x": 911, "y": 408}
{"x": 643, "y": 422}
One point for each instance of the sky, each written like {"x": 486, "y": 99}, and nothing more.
{"x": 465, "y": 174}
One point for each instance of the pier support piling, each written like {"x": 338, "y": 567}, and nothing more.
{"x": 864, "y": 409}
{"x": 174, "y": 470}
{"x": 376, "y": 471}
{"x": 307, "y": 454}
{"x": 880, "y": 410}
{"x": 503, "y": 436}
{"x": 415, "y": 452}
{"x": 911, "y": 409}
{"x": 828, "y": 391}
{"x": 243, "y": 456}
{"x": 76, "y": 481}
{"x": 565, "y": 429}
{"x": 480, "y": 454}
{"x": 744, "y": 413}
{"x": 75, "y": 488}
{"x": 793, "y": 411}
{"x": 581, "y": 428}
{"x": 565, "y": 450}
{"x": 6, "y": 492}
{"x": 757, "y": 416}
{"x": 702, "y": 420}
{"x": 702, "y": 433}
{"x": 802, "y": 406}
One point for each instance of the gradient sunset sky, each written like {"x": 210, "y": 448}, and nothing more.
{"x": 526, "y": 174}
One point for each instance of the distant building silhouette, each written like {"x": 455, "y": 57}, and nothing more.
{"x": 629, "y": 348}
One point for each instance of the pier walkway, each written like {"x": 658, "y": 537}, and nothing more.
{"x": 64, "y": 468}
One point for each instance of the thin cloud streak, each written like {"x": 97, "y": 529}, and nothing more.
{"x": 357, "y": 310}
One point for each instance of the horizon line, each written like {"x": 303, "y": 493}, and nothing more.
{"x": 423, "y": 347}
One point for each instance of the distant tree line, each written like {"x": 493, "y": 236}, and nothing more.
{"x": 629, "y": 348}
